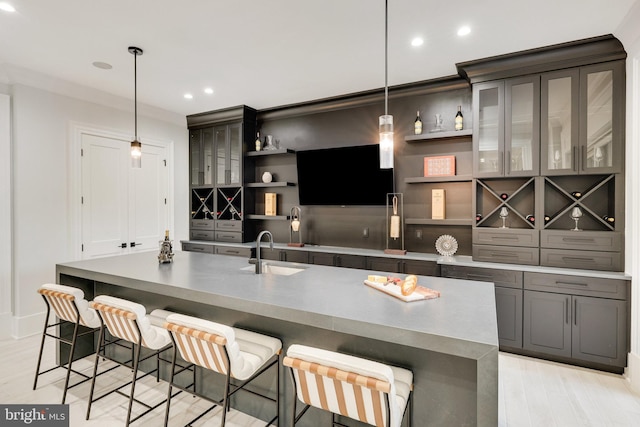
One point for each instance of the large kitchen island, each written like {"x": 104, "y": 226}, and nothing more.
{"x": 450, "y": 343}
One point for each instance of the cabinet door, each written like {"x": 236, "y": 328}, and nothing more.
{"x": 390, "y": 265}
{"x": 547, "y": 323}
{"x": 320, "y": 258}
{"x": 351, "y": 261}
{"x": 221, "y": 138}
{"x": 422, "y": 268}
{"x": 599, "y": 330}
{"x": 522, "y": 126}
{"x": 195, "y": 158}
{"x": 601, "y": 121}
{"x": 207, "y": 155}
{"x": 295, "y": 256}
{"x": 488, "y": 129}
{"x": 234, "y": 155}
{"x": 509, "y": 313}
{"x": 559, "y": 127}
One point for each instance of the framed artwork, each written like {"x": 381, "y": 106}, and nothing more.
{"x": 440, "y": 166}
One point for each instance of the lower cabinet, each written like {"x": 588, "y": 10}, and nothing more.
{"x": 197, "y": 247}
{"x": 577, "y": 327}
{"x": 284, "y": 255}
{"x": 394, "y": 265}
{"x": 508, "y": 290}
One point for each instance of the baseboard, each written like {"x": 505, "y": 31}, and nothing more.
{"x": 28, "y": 325}
{"x": 5, "y": 319}
{"x": 632, "y": 372}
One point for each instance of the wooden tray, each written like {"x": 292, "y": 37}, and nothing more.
{"x": 419, "y": 294}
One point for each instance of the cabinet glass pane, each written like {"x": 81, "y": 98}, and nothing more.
{"x": 488, "y": 135}
{"x": 559, "y": 144}
{"x": 221, "y": 150}
{"x": 599, "y": 117}
{"x": 521, "y": 155}
{"x": 235, "y": 153}
{"x": 194, "y": 147}
{"x": 207, "y": 150}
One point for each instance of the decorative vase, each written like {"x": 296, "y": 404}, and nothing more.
{"x": 267, "y": 177}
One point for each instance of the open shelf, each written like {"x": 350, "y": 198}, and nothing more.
{"x": 270, "y": 152}
{"x": 438, "y": 135}
{"x": 436, "y": 179}
{"x": 520, "y": 201}
{"x": 269, "y": 217}
{"x": 270, "y": 184}
{"x": 202, "y": 203}
{"x": 422, "y": 221}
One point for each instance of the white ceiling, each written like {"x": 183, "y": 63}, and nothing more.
{"x": 267, "y": 53}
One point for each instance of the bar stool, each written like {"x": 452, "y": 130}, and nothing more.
{"x": 128, "y": 321}
{"x": 70, "y": 307}
{"x": 357, "y": 388}
{"x": 236, "y": 353}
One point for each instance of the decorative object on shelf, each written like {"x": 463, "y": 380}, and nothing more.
{"x": 576, "y": 194}
{"x": 417, "y": 126}
{"x": 267, "y": 177}
{"x": 166, "y": 249}
{"x": 446, "y": 245}
{"x": 270, "y": 203}
{"x": 437, "y": 203}
{"x": 395, "y": 224}
{"x": 258, "y": 142}
{"x": 268, "y": 144}
{"x": 440, "y": 166}
{"x": 438, "y": 127}
{"x": 459, "y": 119}
{"x": 136, "y": 146}
{"x": 294, "y": 227}
{"x": 597, "y": 157}
{"x": 385, "y": 122}
{"x": 504, "y": 213}
{"x": 576, "y": 214}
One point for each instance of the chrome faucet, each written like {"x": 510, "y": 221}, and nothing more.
{"x": 258, "y": 240}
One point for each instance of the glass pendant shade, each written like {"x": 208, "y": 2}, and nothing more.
{"x": 136, "y": 154}
{"x": 386, "y": 142}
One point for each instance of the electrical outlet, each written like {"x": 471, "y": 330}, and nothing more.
{"x": 419, "y": 234}
{"x": 365, "y": 232}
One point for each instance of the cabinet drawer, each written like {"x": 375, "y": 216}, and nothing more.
{"x": 229, "y": 225}
{"x": 351, "y": 261}
{"x": 421, "y": 268}
{"x": 588, "y": 260}
{"x": 201, "y": 235}
{"x": 506, "y": 237}
{"x": 585, "y": 240}
{"x": 227, "y": 250}
{"x": 202, "y": 224}
{"x": 194, "y": 247}
{"x": 576, "y": 285}
{"x": 229, "y": 236}
{"x": 505, "y": 278}
{"x": 506, "y": 255}
{"x": 319, "y": 258}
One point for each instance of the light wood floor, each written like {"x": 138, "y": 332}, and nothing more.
{"x": 531, "y": 393}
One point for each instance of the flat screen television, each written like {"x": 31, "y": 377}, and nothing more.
{"x": 344, "y": 176}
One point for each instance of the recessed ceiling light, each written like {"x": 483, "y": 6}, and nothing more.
{"x": 208, "y": 91}
{"x": 464, "y": 30}
{"x": 188, "y": 96}
{"x": 102, "y": 65}
{"x": 417, "y": 42}
{"x": 7, "y": 7}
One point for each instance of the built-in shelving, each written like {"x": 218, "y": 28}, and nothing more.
{"x": 437, "y": 179}
{"x": 423, "y": 221}
{"x": 270, "y": 184}
{"x": 438, "y": 135}
{"x": 269, "y": 217}
{"x": 270, "y": 152}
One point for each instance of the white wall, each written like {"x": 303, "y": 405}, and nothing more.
{"x": 41, "y": 137}
{"x": 629, "y": 35}
{"x": 5, "y": 213}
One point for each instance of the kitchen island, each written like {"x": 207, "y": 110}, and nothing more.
{"x": 450, "y": 343}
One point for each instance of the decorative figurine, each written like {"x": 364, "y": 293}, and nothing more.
{"x": 166, "y": 249}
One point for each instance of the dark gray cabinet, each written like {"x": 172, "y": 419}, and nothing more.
{"x": 201, "y": 156}
{"x": 228, "y": 154}
{"x": 508, "y": 290}
{"x": 395, "y": 265}
{"x": 576, "y": 317}
{"x": 338, "y": 260}
{"x": 284, "y": 255}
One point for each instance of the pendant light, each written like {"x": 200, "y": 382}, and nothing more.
{"x": 386, "y": 121}
{"x": 136, "y": 146}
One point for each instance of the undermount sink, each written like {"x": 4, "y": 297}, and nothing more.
{"x": 277, "y": 269}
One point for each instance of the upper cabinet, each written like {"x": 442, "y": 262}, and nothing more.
{"x": 582, "y": 129}
{"x": 229, "y": 154}
{"x": 506, "y": 133}
{"x": 200, "y": 156}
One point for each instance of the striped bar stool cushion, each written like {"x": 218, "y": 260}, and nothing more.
{"x": 61, "y": 299}
{"x": 120, "y": 315}
{"x": 199, "y": 341}
{"x": 351, "y": 386}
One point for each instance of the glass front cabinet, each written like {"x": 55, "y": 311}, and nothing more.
{"x": 582, "y": 114}
{"x": 200, "y": 156}
{"x": 506, "y": 134}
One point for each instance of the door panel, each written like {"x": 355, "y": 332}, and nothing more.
{"x": 547, "y": 324}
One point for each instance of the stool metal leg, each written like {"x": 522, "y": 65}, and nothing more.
{"x": 95, "y": 368}
{"x": 44, "y": 335}
{"x": 133, "y": 380}
{"x": 173, "y": 367}
{"x": 71, "y": 352}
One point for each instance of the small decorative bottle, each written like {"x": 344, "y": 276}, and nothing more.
{"x": 458, "y": 119}
{"x": 417, "y": 127}
{"x": 258, "y": 142}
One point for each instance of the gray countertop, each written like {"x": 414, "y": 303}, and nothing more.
{"x": 462, "y": 322}
{"x": 463, "y": 260}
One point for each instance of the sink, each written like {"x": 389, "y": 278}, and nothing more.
{"x": 277, "y": 269}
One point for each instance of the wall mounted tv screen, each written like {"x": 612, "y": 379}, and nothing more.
{"x": 345, "y": 176}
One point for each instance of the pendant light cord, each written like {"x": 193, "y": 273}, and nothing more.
{"x": 386, "y": 50}
{"x": 135, "y": 94}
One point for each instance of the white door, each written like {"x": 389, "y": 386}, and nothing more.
{"x": 123, "y": 209}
